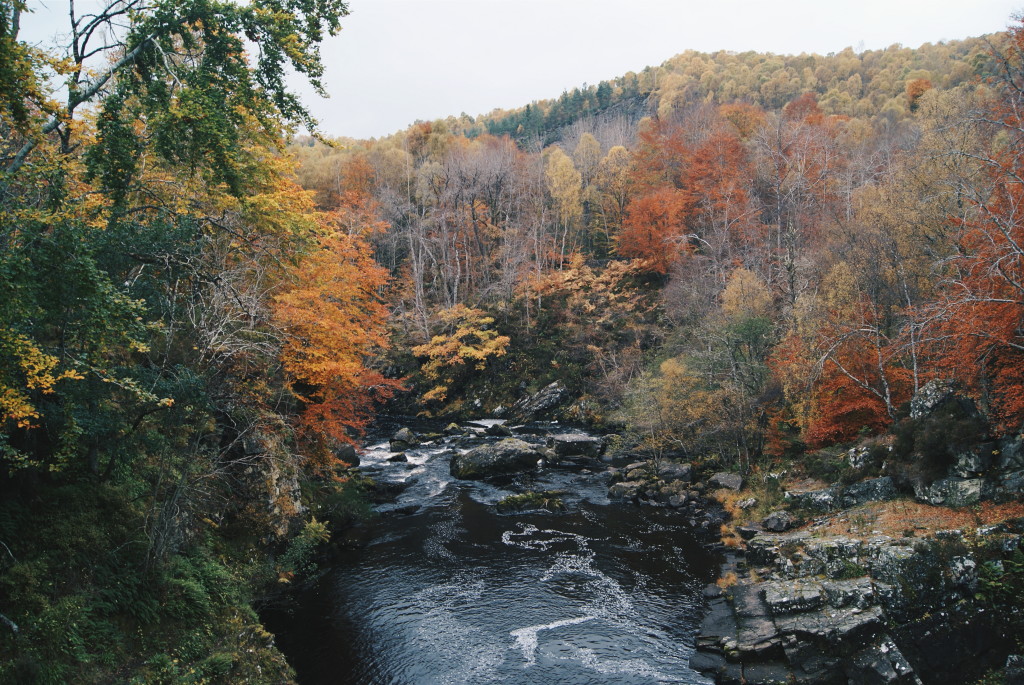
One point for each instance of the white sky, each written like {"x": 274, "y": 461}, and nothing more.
{"x": 397, "y": 61}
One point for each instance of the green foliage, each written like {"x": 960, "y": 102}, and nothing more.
{"x": 832, "y": 466}
{"x": 925, "y": 447}
{"x": 849, "y": 570}
{"x": 88, "y": 606}
{"x": 1000, "y": 587}
{"x": 299, "y": 558}
{"x": 341, "y": 501}
{"x": 143, "y": 422}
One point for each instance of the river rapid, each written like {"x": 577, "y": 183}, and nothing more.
{"x": 443, "y": 588}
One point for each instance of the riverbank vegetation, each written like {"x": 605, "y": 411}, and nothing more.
{"x": 184, "y": 338}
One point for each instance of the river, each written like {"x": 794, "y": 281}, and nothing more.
{"x": 445, "y": 589}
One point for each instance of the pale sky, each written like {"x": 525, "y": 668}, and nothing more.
{"x": 398, "y": 61}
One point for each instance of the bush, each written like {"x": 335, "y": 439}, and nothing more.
{"x": 299, "y": 557}
{"x": 926, "y": 447}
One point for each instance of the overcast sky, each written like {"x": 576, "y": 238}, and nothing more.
{"x": 397, "y": 61}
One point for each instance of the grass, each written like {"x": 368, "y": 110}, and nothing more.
{"x": 770, "y": 496}
{"x": 895, "y": 518}
{"x": 728, "y": 580}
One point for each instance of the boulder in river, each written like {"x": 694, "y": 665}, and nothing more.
{"x": 573, "y": 444}
{"x": 499, "y": 430}
{"x": 347, "y": 453}
{"x": 502, "y": 458}
{"x": 625, "y": 490}
{"x": 402, "y": 440}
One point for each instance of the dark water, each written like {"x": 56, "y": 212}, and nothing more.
{"x": 458, "y": 593}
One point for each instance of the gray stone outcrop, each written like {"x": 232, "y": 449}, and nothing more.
{"x": 503, "y": 458}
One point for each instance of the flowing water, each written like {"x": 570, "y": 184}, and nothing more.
{"x": 447, "y": 590}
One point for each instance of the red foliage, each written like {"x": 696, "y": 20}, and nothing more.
{"x": 655, "y": 228}
{"x": 805, "y": 108}
{"x": 333, "y": 320}
{"x": 661, "y": 155}
{"x": 978, "y": 323}
{"x": 717, "y": 177}
{"x": 841, "y": 409}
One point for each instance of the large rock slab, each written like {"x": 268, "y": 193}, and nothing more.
{"x": 540, "y": 404}
{"x": 815, "y": 500}
{"x": 1011, "y": 453}
{"x": 507, "y": 457}
{"x": 974, "y": 461}
{"x": 836, "y": 627}
{"x": 756, "y": 635}
{"x": 931, "y": 396}
{"x": 881, "y": 663}
{"x": 956, "y": 492}
{"x": 871, "y": 490}
{"x": 788, "y": 597}
{"x": 765, "y": 549}
{"x": 730, "y": 481}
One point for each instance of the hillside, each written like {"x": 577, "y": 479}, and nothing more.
{"x": 751, "y": 230}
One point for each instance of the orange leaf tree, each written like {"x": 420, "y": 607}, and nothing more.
{"x": 334, "y": 320}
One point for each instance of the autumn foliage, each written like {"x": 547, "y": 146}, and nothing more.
{"x": 334, "y": 320}
{"x": 977, "y": 322}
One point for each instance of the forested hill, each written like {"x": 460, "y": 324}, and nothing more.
{"x": 856, "y": 84}
{"x": 741, "y": 254}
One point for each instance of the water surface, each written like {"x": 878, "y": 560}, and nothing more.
{"x": 447, "y": 590}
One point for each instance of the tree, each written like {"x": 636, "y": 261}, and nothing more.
{"x": 654, "y": 230}
{"x": 976, "y": 322}
{"x": 183, "y": 67}
{"x": 334, "y": 321}
{"x": 565, "y": 186}
{"x": 466, "y": 344}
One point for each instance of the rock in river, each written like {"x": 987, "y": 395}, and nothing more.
{"x": 499, "y": 459}
{"x": 570, "y": 444}
{"x": 402, "y": 440}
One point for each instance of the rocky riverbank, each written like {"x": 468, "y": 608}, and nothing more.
{"x": 905, "y": 567}
{"x": 909, "y": 577}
